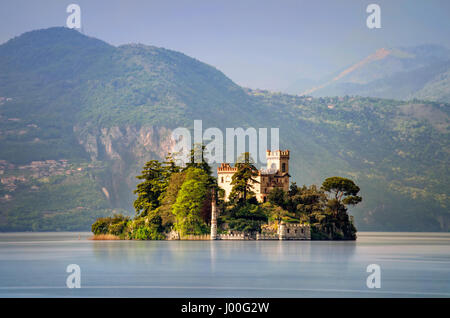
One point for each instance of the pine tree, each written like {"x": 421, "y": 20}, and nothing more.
{"x": 243, "y": 179}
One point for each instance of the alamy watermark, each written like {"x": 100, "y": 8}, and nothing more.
{"x": 74, "y": 279}
{"x": 217, "y": 150}
{"x": 74, "y": 19}
{"x": 374, "y": 279}
{"x": 374, "y": 19}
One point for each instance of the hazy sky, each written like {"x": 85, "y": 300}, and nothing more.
{"x": 259, "y": 44}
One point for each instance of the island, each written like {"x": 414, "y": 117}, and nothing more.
{"x": 186, "y": 202}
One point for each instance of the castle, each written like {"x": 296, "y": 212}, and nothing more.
{"x": 276, "y": 175}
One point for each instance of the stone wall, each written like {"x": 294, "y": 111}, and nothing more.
{"x": 204, "y": 237}
{"x": 294, "y": 231}
{"x": 267, "y": 236}
{"x": 238, "y": 236}
{"x": 286, "y": 231}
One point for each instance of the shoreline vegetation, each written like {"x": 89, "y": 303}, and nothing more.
{"x": 175, "y": 203}
{"x": 104, "y": 237}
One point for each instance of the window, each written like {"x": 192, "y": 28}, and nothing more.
{"x": 222, "y": 179}
{"x": 283, "y": 167}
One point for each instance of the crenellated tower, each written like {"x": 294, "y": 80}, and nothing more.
{"x": 278, "y": 160}
{"x": 275, "y": 176}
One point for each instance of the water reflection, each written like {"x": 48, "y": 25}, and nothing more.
{"x": 410, "y": 262}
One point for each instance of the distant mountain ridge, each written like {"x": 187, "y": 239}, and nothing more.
{"x": 399, "y": 73}
{"x": 79, "y": 118}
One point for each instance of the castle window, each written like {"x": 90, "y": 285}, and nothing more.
{"x": 222, "y": 179}
{"x": 283, "y": 167}
{"x": 288, "y": 230}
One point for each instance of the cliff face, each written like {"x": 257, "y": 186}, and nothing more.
{"x": 124, "y": 150}
{"x": 119, "y": 142}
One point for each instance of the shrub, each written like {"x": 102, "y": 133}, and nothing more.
{"x": 117, "y": 228}
{"x": 147, "y": 233}
{"x": 100, "y": 226}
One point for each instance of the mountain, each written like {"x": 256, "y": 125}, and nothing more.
{"x": 79, "y": 118}
{"x": 400, "y": 73}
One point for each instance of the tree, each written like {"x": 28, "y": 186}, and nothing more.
{"x": 189, "y": 203}
{"x": 197, "y": 159}
{"x": 275, "y": 212}
{"x": 309, "y": 200}
{"x": 246, "y": 217}
{"x": 243, "y": 179}
{"x": 293, "y": 189}
{"x": 110, "y": 225}
{"x": 344, "y": 190}
{"x": 277, "y": 197}
{"x": 100, "y": 226}
{"x": 149, "y": 191}
{"x": 170, "y": 197}
{"x": 170, "y": 165}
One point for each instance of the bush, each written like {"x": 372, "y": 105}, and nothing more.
{"x": 147, "y": 233}
{"x": 117, "y": 228}
{"x": 114, "y": 225}
{"x": 247, "y": 218}
{"x": 100, "y": 226}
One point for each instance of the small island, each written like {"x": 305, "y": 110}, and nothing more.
{"x": 187, "y": 202}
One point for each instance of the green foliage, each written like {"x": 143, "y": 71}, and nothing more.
{"x": 328, "y": 217}
{"x": 117, "y": 228}
{"x": 59, "y": 203}
{"x": 276, "y": 213}
{"x": 100, "y": 226}
{"x": 243, "y": 179}
{"x": 114, "y": 225}
{"x": 167, "y": 198}
{"x": 170, "y": 196}
{"x": 340, "y": 187}
{"x": 142, "y": 228}
{"x": 147, "y": 233}
{"x": 197, "y": 159}
{"x": 345, "y": 192}
{"x": 156, "y": 180}
{"x": 246, "y": 217}
{"x": 190, "y": 201}
{"x": 278, "y": 197}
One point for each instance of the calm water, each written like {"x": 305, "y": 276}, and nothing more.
{"x": 412, "y": 265}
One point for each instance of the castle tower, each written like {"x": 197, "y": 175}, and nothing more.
{"x": 213, "y": 233}
{"x": 278, "y": 160}
{"x": 224, "y": 174}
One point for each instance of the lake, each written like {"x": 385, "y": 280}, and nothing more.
{"x": 412, "y": 265}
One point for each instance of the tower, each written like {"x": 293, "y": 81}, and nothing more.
{"x": 278, "y": 160}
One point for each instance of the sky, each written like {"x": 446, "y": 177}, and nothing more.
{"x": 267, "y": 44}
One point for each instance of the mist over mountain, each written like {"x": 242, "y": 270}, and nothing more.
{"x": 398, "y": 73}
{"x": 79, "y": 118}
